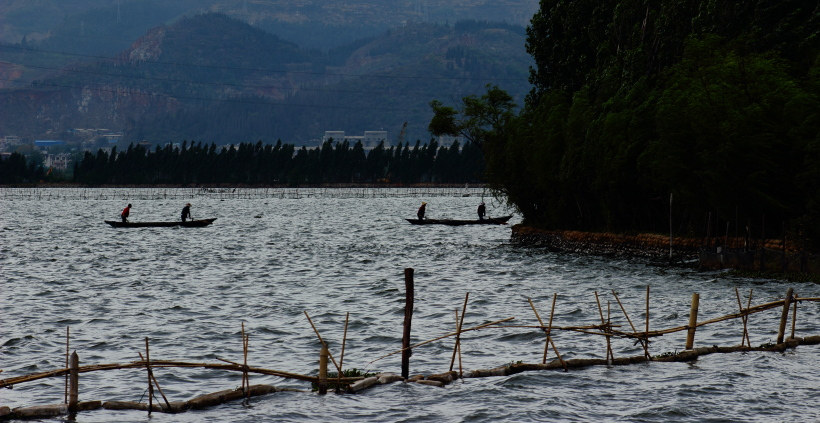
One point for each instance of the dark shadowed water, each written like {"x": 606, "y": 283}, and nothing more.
{"x": 267, "y": 259}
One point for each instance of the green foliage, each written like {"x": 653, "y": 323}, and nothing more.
{"x": 282, "y": 164}
{"x": 714, "y": 103}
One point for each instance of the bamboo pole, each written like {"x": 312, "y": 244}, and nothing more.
{"x": 342, "y": 356}
{"x": 323, "y": 354}
{"x": 609, "y": 328}
{"x": 740, "y": 307}
{"x": 322, "y": 341}
{"x": 245, "y": 380}
{"x": 408, "y": 319}
{"x": 746, "y": 318}
{"x": 483, "y": 326}
{"x": 460, "y": 368}
{"x": 794, "y": 318}
{"x": 74, "y": 382}
{"x": 150, "y": 386}
{"x": 547, "y": 331}
{"x": 693, "y": 321}
{"x": 458, "y": 330}
{"x": 646, "y": 334}
{"x": 608, "y": 351}
{"x": 156, "y": 382}
{"x": 634, "y": 331}
{"x": 66, "y": 363}
{"x": 784, "y": 315}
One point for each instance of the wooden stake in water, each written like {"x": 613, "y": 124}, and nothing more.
{"x": 74, "y": 382}
{"x": 342, "y": 355}
{"x": 547, "y": 331}
{"x": 634, "y": 331}
{"x": 784, "y": 316}
{"x": 323, "y": 354}
{"x": 604, "y": 327}
{"x": 457, "y": 345}
{"x": 794, "y": 317}
{"x": 150, "y": 385}
{"x": 646, "y": 335}
{"x": 740, "y": 307}
{"x": 693, "y": 321}
{"x": 408, "y": 319}
{"x": 66, "y": 364}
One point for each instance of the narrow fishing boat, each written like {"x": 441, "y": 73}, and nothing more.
{"x": 455, "y": 222}
{"x": 189, "y": 224}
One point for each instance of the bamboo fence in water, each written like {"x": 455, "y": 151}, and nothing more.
{"x": 239, "y": 193}
{"x": 339, "y": 383}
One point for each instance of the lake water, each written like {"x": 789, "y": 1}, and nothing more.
{"x": 272, "y": 255}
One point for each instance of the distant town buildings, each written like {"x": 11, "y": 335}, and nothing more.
{"x": 369, "y": 140}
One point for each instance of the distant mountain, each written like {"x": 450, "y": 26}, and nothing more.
{"x": 217, "y": 79}
{"x": 98, "y": 26}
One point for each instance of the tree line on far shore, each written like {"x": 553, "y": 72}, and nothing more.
{"x": 263, "y": 164}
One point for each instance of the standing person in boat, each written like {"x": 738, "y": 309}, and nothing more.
{"x": 482, "y": 211}
{"x": 125, "y": 212}
{"x": 186, "y": 212}
{"x": 422, "y": 210}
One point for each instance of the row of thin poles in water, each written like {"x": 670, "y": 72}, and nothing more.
{"x": 121, "y": 193}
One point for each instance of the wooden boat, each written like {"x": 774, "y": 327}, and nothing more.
{"x": 189, "y": 224}
{"x": 454, "y": 222}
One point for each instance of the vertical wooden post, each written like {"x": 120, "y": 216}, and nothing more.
{"x": 408, "y": 318}
{"x": 74, "y": 383}
{"x": 784, "y": 316}
{"x": 744, "y": 319}
{"x": 150, "y": 385}
{"x": 670, "y": 226}
{"x": 794, "y": 317}
{"x": 323, "y": 370}
{"x": 646, "y": 334}
{"x": 693, "y": 321}
{"x": 459, "y": 322}
{"x": 66, "y": 363}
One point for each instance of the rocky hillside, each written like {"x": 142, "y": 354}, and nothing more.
{"x": 214, "y": 78}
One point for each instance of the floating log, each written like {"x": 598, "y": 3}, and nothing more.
{"x": 363, "y": 384}
{"x": 444, "y": 378}
{"x": 53, "y": 410}
{"x": 430, "y": 383}
{"x": 385, "y": 378}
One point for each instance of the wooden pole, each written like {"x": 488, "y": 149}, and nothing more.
{"x": 794, "y": 317}
{"x": 740, "y": 307}
{"x": 746, "y": 317}
{"x": 66, "y": 363}
{"x": 342, "y": 356}
{"x": 156, "y": 383}
{"x": 74, "y": 382}
{"x": 323, "y": 370}
{"x": 150, "y": 386}
{"x": 316, "y": 331}
{"x": 458, "y": 347}
{"x": 646, "y": 335}
{"x": 245, "y": 380}
{"x": 693, "y": 321}
{"x": 547, "y": 331}
{"x": 784, "y": 316}
{"x": 458, "y": 331}
{"x": 408, "y": 319}
{"x": 634, "y": 331}
{"x": 603, "y": 326}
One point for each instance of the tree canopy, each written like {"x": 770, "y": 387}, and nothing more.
{"x": 712, "y": 104}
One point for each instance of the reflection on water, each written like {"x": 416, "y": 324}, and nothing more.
{"x": 269, "y": 258}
